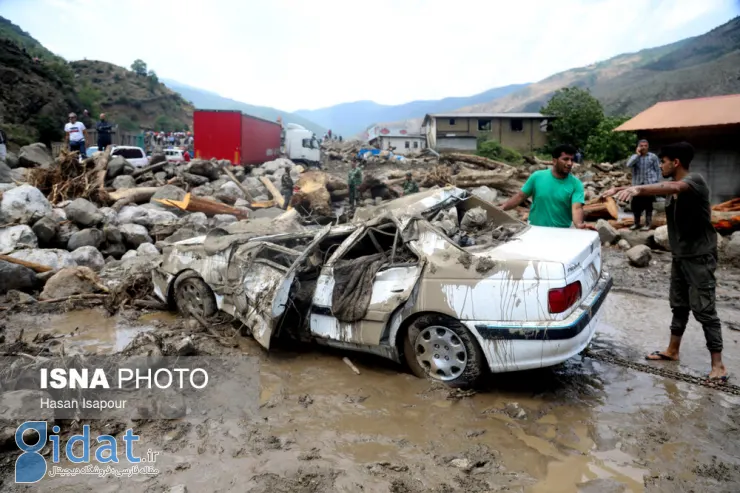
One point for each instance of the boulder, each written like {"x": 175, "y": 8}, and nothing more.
{"x": 194, "y": 180}
{"x": 20, "y": 175}
{"x": 203, "y": 168}
{"x": 4, "y": 187}
{"x": 221, "y": 220}
{"x": 473, "y": 219}
{"x": 45, "y": 229}
{"x": 70, "y": 281}
{"x": 5, "y": 173}
{"x": 134, "y": 235}
{"x": 272, "y": 166}
{"x": 116, "y": 166}
{"x": 606, "y": 231}
{"x": 35, "y": 155}
{"x": 256, "y": 172}
{"x": 147, "y": 249}
{"x": 89, "y": 256}
{"x": 146, "y": 216}
{"x": 14, "y": 276}
{"x": 51, "y": 257}
{"x": 87, "y": 237}
{"x": 114, "y": 250}
{"x": 160, "y": 176}
{"x": 16, "y": 237}
{"x": 168, "y": 192}
{"x": 112, "y": 234}
{"x": 58, "y": 214}
{"x": 129, "y": 254}
{"x": 732, "y": 248}
{"x": 639, "y": 256}
{"x": 64, "y": 233}
{"x": 229, "y": 192}
{"x": 11, "y": 159}
{"x": 110, "y": 216}
{"x": 661, "y": 238}
{"x": 624, "y": 244}
{"x": 83, "y": 212}
{"x": 193, "y": 219}
{"x": 124, "y": 181}
{"x": 24, "y": 204}
{"x": 268, "y": 212}
{"x": 487, "y": 194}
{"x": 637, "y": 237}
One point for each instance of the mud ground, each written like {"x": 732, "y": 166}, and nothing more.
{"x": 585, "y": 427}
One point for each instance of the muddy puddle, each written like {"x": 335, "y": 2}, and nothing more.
{"x": 583, "y": 427}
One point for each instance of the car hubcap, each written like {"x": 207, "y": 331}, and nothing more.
{"x": 193, "y": 299}
{"x": 441, "y": 352}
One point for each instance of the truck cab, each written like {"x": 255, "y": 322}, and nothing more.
{"x": 300, "y": 145}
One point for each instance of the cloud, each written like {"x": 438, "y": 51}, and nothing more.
{"x": 295, "y": 54}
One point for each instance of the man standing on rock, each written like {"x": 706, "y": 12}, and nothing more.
{"x": 354, "y": 180}
{"x": 105, "y": 129}
{"x": 693, "y": 243}
{"x": 557, "y": 195}
{"x": 286, "y": 185}
{"x": 75, "y": 135}
{"x": 3, "y": 145}
{"x": 645, "y": 171}
{"x": 410, "y": 186}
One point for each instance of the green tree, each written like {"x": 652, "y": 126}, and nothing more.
{"x": 153, "y": 80}
{"x": 578, "y": 114}
{"x": 605, "y": 145}
{"x": 494, "y": 150}
{"x": 139, "y": 67}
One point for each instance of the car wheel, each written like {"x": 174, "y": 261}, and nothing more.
{"x": 192, "y": 295}
{"x": 443, "y": 349}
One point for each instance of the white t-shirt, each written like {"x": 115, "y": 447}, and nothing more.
{"x": 76, "y": 131}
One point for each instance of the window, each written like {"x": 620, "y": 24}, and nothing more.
{"x": 517, "y": 125}
{"x": 129, "y": 153}
{"x": 416, "y": 145}
{"x": 452, "y": 121}
{"x": 307, "y": 143}
{"x": 545, "y": 126}
{"x": 484, "y": 125}
{"x": 408, "y": 145}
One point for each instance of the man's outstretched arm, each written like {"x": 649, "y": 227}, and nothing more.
{"x": 514, "y": 201}
{"x": 662, "y": 188}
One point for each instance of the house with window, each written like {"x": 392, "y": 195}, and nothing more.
{"x": 524, "y": 132}
{"x": 400, "y": 140}
{"x": 711, "y": 125}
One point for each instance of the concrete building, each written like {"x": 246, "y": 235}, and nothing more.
{"x": 711, "y": 125}
{"x": 402, "y": 140}
{"x": 524, "y": 132}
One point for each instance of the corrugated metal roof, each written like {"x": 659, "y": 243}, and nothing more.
{"x": 487, "y": 115}
{"x": 699, "y": 112}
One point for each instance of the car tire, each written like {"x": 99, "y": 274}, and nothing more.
{"x": 192, "y": 294}
{"x": 454, "y": 343}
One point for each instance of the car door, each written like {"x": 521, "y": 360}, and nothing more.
{"x": 392, "y": 285}
{"x": 269, "y": 289}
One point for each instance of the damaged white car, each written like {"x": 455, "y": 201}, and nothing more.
{"x": 441, "y": 280}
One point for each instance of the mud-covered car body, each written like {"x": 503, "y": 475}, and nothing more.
{"x": 527, "y": 296}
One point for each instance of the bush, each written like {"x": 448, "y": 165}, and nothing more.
{"x": 578, "y": 114}
{"x": 604, "y": 145}
{"x": 493, "y": 150}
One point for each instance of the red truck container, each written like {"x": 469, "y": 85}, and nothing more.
{"x": 232, "y": 135}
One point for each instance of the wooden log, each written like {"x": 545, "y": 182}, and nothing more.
{"x": 238, "y": 183}
{"x": 147, "y": 169}
{"x": 603, "y": 208}
{"x": 729, "y": 206}
{"x": 134, "y": 195}
{"x": 209, "y": 207}
{"x": 31, "y": 265}
{"x": 276, "y": 195}
{"x": 473, "y": 159}
{"x": 263, "y": 204}
{"x": 101, "y": 169}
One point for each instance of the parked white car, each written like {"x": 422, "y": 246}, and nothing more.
{"x": 394, "y": 284}
{"x": 134, "y": 155}
{"x": 174, "y": 155}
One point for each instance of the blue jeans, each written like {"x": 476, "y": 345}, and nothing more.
{"x": 78, "y": 146}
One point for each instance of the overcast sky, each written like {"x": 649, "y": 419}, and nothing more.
{"x": 295, "y": 54}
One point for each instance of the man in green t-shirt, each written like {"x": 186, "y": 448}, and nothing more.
{"x": 557, "y": 195}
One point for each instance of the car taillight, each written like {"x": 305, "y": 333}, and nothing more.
{"x": 561, "y": 299}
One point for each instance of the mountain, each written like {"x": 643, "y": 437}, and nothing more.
{"x": 208, "y": 100}
{"x": 38, "y": 89}
{"x": 352, "y": 118}
{"x": 706, "y": 65}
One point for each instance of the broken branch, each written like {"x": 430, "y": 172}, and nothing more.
{"x": 31, "y": 265}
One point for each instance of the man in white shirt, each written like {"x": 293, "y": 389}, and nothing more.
{"x": 75, "y": 135}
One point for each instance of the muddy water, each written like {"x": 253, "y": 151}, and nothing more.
{"x": 583, "y": 427}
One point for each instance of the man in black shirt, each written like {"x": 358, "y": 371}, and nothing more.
{"x": 693, "y": 243}
{"x": 104, "y": 133}
{"x": 286, "y": 185}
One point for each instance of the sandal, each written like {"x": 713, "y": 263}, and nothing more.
{"x": 661, "y": 357}
{"x": 718, "y": 380}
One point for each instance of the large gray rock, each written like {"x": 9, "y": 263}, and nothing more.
{"x": 168, "y": 192}
{"x": 4, "y": 187}
{"x": 51, "y": 257}
{"x": 606, "y": 231}
{"x": 64, "y": 233}
{"x": 147, "y": 249}
{"x": 146, "y": 216}
{"x": 637, "y": 237}
{"x": 268, "y": 212}
{"x": 131, "y": 214}
{"x": 112, "y": 234}
{"x": 129, "y": 254}
{"x": 194, "y": 180}
{"x": 89, "y": 256}
{"x": 70, "y": 281}
{"x": 87, "y": 237}
{"x": 732, "y": 247}
{"x": 203, "y": 168}
{"x": 114, "y": 250}
{"x": 5, "y": 174}
{"x": 45, "y": 229}
{"x": 35, "y": 155}
{"x": 661, "y": 238}
{"x": 486, "y": 193}
{"x": 193, "y": 219}
{"x": 83, "y": 213}
{"x": 58, "y": 214}
{"x": 20, "y": 175}
{"x": 116, "y": 166}
{"x": 639, "y": 256}
{"x": 14, "y": 276}
{"x": 124, "y": 181}
{"x": 134, "y": 235}
{"x": 229, "y": 192}
{"x": 16, "y": 237}
{"x": 12, "y": 160}
{"x": 271, "y": 167}
{"x": 221, "y": 220}
{"x": 110, "y": 216}
{"x": 24, "y": 204}
{"x": 257, "y": 172}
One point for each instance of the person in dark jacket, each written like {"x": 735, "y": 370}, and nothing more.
{"x": 105, "y": 130}
{"x": 286, "y": 187}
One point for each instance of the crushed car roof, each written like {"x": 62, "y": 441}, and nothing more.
{"x": 411, "y": 205}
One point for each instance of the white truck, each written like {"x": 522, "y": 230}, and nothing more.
{"x": 300, "y": 145}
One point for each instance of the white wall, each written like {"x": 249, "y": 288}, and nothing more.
{"x": 400, "y": 144}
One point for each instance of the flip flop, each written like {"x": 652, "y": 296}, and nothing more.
{"x": 719, "y": 380}
{"x": 662, "y": 357}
